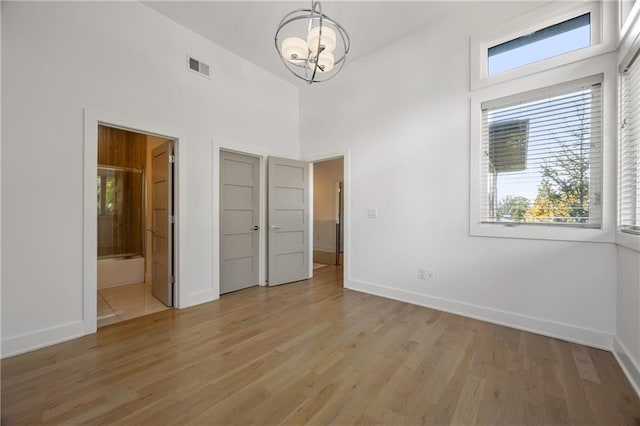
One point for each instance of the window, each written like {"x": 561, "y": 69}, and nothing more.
{"x": 120, "y": 198}
{"x": 554, "y": 40}
{"x": 106, "y": 191}
{"x": 541, "y": 156}
{"x": 544, "y": 39}
{"x": 629, "y": 167}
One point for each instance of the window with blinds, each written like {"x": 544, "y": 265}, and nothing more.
{"x": 629, "y": 162}
{"x": 541, "y": 156}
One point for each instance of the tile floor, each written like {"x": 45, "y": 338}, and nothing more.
{"x": 124, "y": 302}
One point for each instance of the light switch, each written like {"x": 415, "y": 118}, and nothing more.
{"x": 372, "y": 213}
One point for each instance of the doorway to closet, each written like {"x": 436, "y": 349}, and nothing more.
{"x": 135, "y": 224}
{"x": 328, "y": 214}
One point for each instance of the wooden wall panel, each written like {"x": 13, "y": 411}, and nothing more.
{"x": 117, "y": 147}
{"x": 121, "y": 230}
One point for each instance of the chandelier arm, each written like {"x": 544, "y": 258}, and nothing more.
{"x": 293, "y": 12}
{"x": 317, "y": 4}
{"x": 333, "y": 74}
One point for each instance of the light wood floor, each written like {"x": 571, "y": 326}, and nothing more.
{"x": 312, "y": 352}
{"x": 327, "y": 258}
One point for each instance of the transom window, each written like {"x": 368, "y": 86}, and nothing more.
{"x": 541, "y": 156}
{"x": 548, "y": 42}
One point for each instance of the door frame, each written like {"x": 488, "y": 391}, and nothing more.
{"x": 346, "y": 187}
{"x": 93, "y": 118}
{"x": 215, "y": 216}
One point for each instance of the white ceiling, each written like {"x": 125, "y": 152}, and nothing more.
{"x": 247, "y": 28}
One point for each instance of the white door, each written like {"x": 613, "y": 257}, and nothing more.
{"x": 162, "y": 223}
{"x": 239, "y": 218}
{"x": 289, "y": 217}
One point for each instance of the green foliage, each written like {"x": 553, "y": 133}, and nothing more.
{"x": 563, "y": 194}
{"x": 513, "y": 208}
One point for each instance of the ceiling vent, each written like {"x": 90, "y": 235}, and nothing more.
{"x": 198, "y": 66}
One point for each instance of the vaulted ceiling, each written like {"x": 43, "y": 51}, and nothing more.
{"x": 247, "y": 28}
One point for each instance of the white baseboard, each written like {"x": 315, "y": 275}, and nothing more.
{"x": 571, "y": 333}
{"x": 39, "y": 339}
{"x": 198, "y": 298}
{"x": 628, "y": 365}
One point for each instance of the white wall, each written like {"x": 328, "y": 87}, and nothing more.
{"x": 627, "y": 338}
{"x": 403, "y": 112}
{"x": 326, "y": 176}
{"x": 59, "y": 58}
{"x": 628, "y": 313}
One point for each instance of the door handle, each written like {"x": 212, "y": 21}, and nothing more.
{"x": 152, "y": 230}
{"x": 273, "y": 228}
{"x": 254, "y": 227}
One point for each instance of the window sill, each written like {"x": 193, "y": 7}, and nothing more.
{"x": 627, "y": 240}
{"x": 542, "y": 232}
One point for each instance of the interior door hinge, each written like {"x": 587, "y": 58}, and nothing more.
{"x": 172, "y": 158}
{"x": 173, "y": 219}
{"x": 173, "y": 279}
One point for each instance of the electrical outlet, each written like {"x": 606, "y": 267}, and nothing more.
{"x": 422, "y": 274}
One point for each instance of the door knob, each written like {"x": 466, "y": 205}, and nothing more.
{"x": 273, "y": 228}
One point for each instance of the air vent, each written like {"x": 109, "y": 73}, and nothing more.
{"x": 198, "y": 66}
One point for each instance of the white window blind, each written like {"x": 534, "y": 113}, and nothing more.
{"x": 541, "y": 156}
{"x": 629, "y": 164}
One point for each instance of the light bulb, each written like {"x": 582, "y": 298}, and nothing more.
{"x": 295, "y": 49}
{"x": 328, "y": 39}
{"x": 325, "y": 62}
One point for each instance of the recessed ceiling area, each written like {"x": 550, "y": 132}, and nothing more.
{"x": 247, "y": 28}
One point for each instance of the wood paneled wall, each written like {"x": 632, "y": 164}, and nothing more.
{"x": 117, "y": 147}
{"x": 121, "y": 231}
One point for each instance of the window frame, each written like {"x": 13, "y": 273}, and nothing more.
{"x": 570, "y": 73}
{"x": 603, "y": 39}
{"x": 628, "y": 48}
{"x": 595, "y": 185}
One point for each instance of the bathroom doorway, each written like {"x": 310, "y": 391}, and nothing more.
{"x": 135, "y": 224}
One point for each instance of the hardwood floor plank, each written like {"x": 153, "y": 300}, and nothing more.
{"x": 313, "y": 352}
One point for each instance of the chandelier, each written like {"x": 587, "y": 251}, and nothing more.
{"x": 321, "y": 54}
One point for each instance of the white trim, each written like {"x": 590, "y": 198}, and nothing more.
{"x": 584, "y": 336}
{"x": 92, "y": 118}
{"x": 627, "y": 240}
{"x": 41, "y": 338}
{"x": 629, "y": 37}
{"x": 199, "y": 297}
{"x": 593, "y": 66}
{"x": 604, "y": 36}
{"x": 346, "y": 176}
{"x": 628, "y": 364}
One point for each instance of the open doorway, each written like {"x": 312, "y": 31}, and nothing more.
{"x": 135, "y": 224}
{"x": 328, "y": 215}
